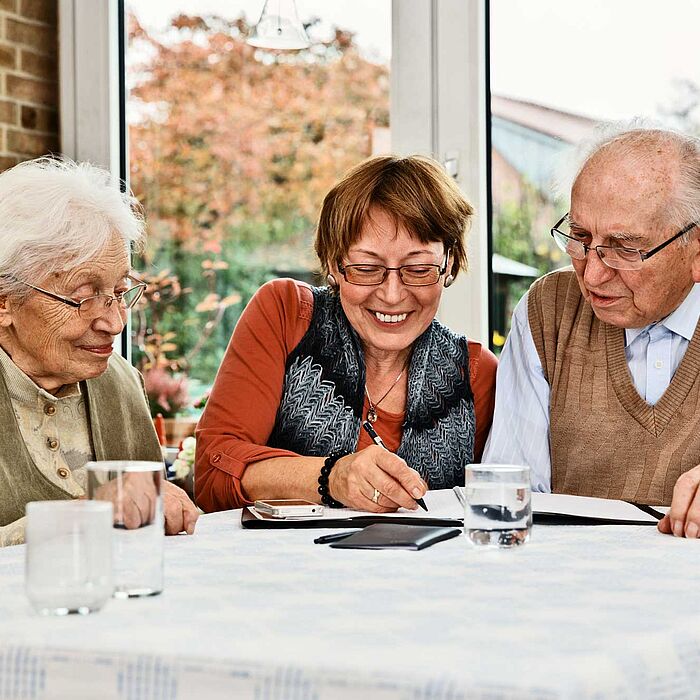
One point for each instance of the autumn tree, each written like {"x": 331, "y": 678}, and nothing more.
{"x": 229, "y": 142}
{"x": 232, "y": 150}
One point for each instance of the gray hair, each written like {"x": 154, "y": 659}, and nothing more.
{"x": 635, "y": 140}
{"x": 56, "y": 214}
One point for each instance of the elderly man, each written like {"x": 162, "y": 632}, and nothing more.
{"x": 65, "y": 287}
{"x": 598, "y": 388}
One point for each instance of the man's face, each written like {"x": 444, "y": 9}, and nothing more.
{"x": 618, "y": 202}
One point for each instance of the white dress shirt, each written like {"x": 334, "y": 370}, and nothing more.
{"x": 520, "y": 430}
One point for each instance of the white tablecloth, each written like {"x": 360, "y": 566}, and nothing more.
{"x": 580, "y": 612}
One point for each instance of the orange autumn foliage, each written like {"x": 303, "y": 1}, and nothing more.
{"x": 227, "y": 141}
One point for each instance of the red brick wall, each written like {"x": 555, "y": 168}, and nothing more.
{"x": 28, "y": 80}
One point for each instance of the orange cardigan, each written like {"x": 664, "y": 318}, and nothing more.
{"x": 241, "y": 410}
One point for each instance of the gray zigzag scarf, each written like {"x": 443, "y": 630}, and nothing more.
{"x": 322, "y": 398}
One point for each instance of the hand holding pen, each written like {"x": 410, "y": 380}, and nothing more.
{"x": 375, "y": 480}
{"x": 369, "y": 428}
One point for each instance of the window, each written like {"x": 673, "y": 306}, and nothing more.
{"x": 557, "y": 69}
{"x": 231, "y": 150}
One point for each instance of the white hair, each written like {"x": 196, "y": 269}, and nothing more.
{"x": 56, "y": 214}
{"x": 635, "y": 139}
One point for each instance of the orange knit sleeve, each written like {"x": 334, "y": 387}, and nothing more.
{"x": 241, "y": 410}
{"x": 482, "y": 374}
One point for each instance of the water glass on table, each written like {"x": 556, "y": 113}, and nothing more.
{"x": 69, "y": 556}
{"x": 498, "y": 510}
{"x": 135, "y": 491}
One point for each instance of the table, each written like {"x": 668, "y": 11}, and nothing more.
{"x": 580, "y": 612}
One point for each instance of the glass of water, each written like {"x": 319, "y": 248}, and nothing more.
{"x": 69, "y": 556}
{"x": 498, "y": 511}
{"x": 134, "y": 489}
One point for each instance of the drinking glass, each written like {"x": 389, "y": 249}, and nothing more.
{"x": 498, "y": 511}
{"x": 68, "y": 563}
{"x": 134, "y": 489}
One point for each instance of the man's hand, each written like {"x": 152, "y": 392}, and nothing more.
{"x": 355, "y": 477}
{"x": 683, "y": 520}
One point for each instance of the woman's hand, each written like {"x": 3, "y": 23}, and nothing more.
{"x": 355, "y": 477}
{"x": 135, "y": 503}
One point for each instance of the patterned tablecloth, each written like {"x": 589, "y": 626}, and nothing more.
{"x": 580, "y": 612}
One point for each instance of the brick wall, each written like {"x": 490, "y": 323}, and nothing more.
{"x": 28, "y": 80}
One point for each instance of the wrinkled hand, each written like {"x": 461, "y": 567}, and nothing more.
{"x": 355, "y": 476}
{"x": 180, "y": 513}
{"x": 683, "y": 520}
{"x": 135, "y": 503}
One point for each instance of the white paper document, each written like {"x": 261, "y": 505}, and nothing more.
{"x": 596, "y": 508}
{"x": 550, "y": 507}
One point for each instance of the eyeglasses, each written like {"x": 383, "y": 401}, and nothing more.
{"x": 418, "y": 275}
{"x": 95, "y": 306}
{"x": 616, "y": 256}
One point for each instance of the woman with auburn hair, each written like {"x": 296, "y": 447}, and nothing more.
{"x": 307, "y": 366}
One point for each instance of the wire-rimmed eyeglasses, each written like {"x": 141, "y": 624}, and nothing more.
{"x": 95, "y": 306}
{"x": 416, "y": 275}
{"x": 618, "y": 257}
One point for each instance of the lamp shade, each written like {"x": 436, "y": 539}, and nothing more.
{"x": 279, "y": 27}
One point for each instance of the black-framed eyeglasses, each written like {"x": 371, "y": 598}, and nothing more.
{"x": 416, "y": 275}
{"x": 95, "y": 306}
{"x": 616, "y": 256}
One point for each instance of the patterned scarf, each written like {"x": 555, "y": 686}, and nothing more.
{"x": 320, "y": 410}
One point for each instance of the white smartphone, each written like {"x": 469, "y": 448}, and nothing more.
{"x": 289, "y": 508}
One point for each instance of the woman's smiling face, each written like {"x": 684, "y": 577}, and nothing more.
{"x": 390, "y": 316}
{"x": 49, "y": 341}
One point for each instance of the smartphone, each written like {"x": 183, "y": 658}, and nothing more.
{"x": 289, "y": 508}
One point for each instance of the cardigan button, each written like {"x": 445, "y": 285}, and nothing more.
{"x": 49, "y": 409}
{"x": 62, "y": 472}
{"x": 52, "y": 444}
{"x": 216, "y": 458}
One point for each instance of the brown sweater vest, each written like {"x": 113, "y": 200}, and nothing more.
{"x": 605, "y": 440}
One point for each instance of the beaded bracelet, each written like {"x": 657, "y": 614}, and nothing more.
{"x": 323, "y": 489}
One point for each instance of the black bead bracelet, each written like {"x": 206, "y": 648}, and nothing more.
{"x": 323, "y": 489}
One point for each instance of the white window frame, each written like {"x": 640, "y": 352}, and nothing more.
{"x": 90, "y": 92}
{"x": 438, "y": 108}
{"x": 89, "y": 81}
{"x": 438, "y": 98}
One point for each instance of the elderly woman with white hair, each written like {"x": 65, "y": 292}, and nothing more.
{"x": 65, "y": 287}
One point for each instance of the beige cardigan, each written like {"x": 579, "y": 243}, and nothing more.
{"x": 119, "y": 424}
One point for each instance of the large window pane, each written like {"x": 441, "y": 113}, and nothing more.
{"x": 231, "y": 151}
{"x": 557, "y": 69}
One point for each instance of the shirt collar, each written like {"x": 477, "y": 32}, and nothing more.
{"x": 22, "y": 388}
{"x": 682, "y": 321}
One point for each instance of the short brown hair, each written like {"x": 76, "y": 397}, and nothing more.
{"x": 415, "y": 190}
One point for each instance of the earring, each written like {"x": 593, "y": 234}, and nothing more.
{"x": 332, "y": 282}
{"x": 449, "y": 280}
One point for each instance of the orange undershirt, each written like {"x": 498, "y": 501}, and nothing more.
{"x": 241, "y": 410}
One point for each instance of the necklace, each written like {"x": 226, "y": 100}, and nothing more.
{"x": 372, "y": 412}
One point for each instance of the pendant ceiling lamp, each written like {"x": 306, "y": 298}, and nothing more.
{"x": 279, "y": 27}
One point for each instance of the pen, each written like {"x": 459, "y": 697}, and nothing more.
{"x": 378, "y": 441}
{"x": 334, "y": 537}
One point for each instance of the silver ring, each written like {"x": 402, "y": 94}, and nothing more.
{"x": 375, "y": 496}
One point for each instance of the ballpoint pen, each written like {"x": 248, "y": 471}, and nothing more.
{"x": 334, "y": 537}
{"x": 378, "y": 441}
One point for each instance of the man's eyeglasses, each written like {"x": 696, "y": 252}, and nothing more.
{"x": 95, "y": 306}
{"x": 417, "y": 275}
{"x": 616, "y": 256}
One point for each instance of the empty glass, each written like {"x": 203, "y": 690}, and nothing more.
{"x": 69, "y": 556}
{"x": 498, "y": 511}
{"x": 134, "y": 489}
